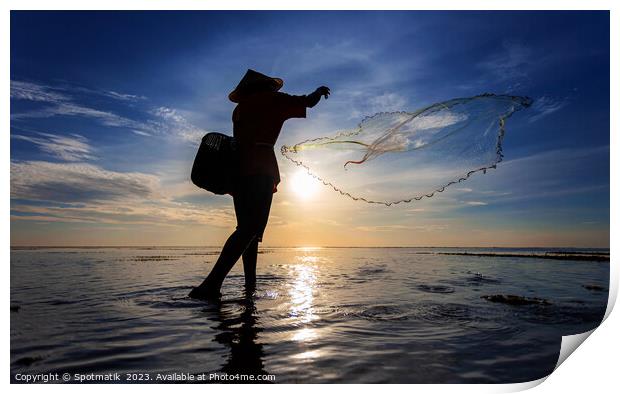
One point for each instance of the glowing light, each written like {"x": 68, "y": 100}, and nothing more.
{"x": 304, "y": 185}
{"x": 308, "y": 354}
{"x": 301, "y": 292}
{"x": 308, "y": 248}
{"x": 305, "y": 335}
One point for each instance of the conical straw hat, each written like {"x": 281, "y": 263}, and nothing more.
{"x": 253, "y": 80}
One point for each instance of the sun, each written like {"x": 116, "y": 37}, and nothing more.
{"x": 304, "y": 185}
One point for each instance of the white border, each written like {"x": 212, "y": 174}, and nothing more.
{"x": 508, "y": 5}
{"x": 592, "y": 369}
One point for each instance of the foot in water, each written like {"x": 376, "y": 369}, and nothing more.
{"x": 204, "y": 293}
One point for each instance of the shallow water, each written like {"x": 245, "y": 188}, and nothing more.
{"x": 343, "y": 315}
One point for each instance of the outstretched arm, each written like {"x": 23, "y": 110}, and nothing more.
{"x": 314, "y": 97}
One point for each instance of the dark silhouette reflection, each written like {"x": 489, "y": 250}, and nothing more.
{"x": 239, "y": 332}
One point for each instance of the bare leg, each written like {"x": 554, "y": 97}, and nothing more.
{"x": 249, "y": 264}
{"x": 252, "y": 202}
{"x": 234, "y": 247}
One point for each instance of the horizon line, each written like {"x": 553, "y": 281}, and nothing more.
{"x": 301, "y": 247}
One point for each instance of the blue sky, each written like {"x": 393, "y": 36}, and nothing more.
{"x": 106, "y": 109}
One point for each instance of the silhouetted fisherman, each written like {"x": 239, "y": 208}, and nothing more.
{"x": 257, "y": 120}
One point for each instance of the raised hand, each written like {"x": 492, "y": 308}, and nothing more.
{"x": 323, "y": 91}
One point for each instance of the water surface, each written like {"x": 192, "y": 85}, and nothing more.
{"x": 406, "y": 315}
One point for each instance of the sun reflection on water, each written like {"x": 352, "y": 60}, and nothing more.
{"x": 302, "y": 297}
{"x": 308, "y": 355}
{"x": 308, "y": 249}
{"x": 305, "y": 335}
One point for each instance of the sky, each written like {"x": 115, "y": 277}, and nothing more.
{"x": 107, "y": 109}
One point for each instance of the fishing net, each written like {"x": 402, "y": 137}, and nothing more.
{"x": 400, "y": 157}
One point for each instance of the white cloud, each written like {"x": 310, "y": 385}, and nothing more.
{"x": 316, "y": 58}
{"x": 67, "y": 148}
{"x": 123, "y": 96}
{"x": 544, "y": 175}
{"x": 178, "y": 125}
{"x": 387, "y": 102}
{"x": 546, "y": 105}
{"x": 161, "y": 214}
{"x": 399, "y": 228}
{"x": 475, "y": 203}
{"x": 78, "y": 182}
{"x": 61, "y": 104}
{"x": 90, "y": 193}
{"x": 382, "y": 228}
{"x": 61, "y": 101}
{"x": 21, "y": 90}
{"x": 79, "y": 192}
{"x": 142, "y": 133}
{"x": 511, "y": 63}
{"x": 70, "y": 109}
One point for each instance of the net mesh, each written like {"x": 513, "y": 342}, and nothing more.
{"x": 400, "y": 157}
